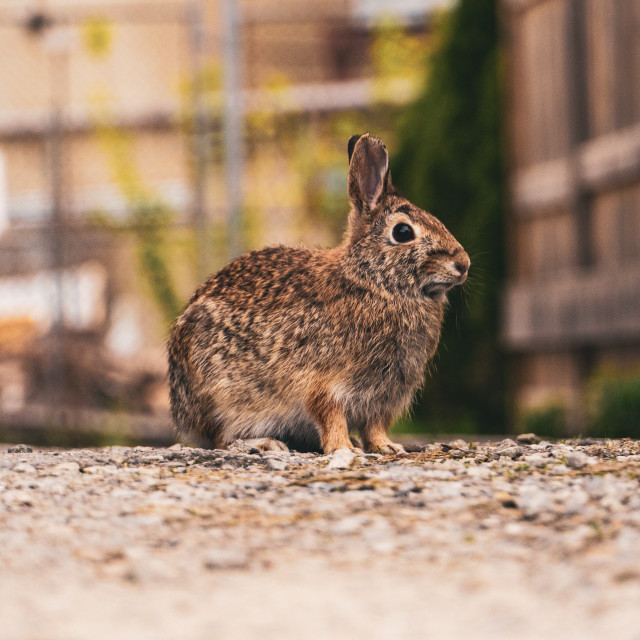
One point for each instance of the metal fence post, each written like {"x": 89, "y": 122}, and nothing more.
{"x": 233, "y": 125}
{"x": 56, "y": 43}
{"x": 200, "y": 139}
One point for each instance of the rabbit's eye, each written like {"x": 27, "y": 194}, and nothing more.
{"x": 403, "y": 232}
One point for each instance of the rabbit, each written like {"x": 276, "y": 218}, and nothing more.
{"x": 303, "y": 345}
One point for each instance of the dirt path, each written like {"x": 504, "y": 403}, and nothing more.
{"x": 501, "y": 540}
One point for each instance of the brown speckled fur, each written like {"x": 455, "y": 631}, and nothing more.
{"x": 301, "y": 345}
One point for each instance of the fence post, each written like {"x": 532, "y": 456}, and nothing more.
{"x": 200, "y": 139}
{"x": 56, "y": 43}
{"x": 233, "y": 125}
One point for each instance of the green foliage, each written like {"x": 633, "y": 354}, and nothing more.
{"x": 395, "y": 53}
{"x": 54, "y": 435}
{"x": 97, "y": 36}
{"x": 449, "y": 162}
{"x": 548, "y": 420}
{"x": 613, "y": 402}
{"x": 609, "y": 407}
{"x": 149, "y": 221}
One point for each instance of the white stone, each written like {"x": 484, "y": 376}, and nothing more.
{"x": 350, "y": 524}
{"x": 221, "y": 559}
{"x": 537, "y": 460}
{"x": 576, "y": 460}
{"x": 341, "y": 459}
{"x": 24, "y": 467}
{"x": 67, "y": 466}
{"x": 276, "y": 464}
{"x": 16, "y": 498}
{"x": 533, "y": 501}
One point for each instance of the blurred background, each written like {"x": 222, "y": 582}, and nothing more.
{"x": 143, "y": 144}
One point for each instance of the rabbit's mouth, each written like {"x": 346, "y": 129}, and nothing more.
{"x": 436, "y": 290}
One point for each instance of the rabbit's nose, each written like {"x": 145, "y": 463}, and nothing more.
{"x": 460, "y": 264}
{"x": 461, "y": 267}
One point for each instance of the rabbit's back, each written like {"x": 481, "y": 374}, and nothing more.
{"x": 264, "y": 308}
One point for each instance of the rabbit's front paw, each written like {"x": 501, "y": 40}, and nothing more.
{"x": 331, "y": 450}
{"x": 391, "y": 448}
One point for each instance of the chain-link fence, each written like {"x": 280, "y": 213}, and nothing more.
{"x": 144, "y": 144}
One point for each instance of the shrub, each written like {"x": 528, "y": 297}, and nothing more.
{"x": 548, "y": 420}
{"x": 449, "y": 162}
{"x": 613, "y": 401}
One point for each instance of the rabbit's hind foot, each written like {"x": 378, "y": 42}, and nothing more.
{"x": 378, "y": 442}
{"x": 390, "y": 448}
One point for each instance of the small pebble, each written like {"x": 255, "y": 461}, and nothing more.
{"x": 341, "y": 459}
{"x": 17, "y": 498}
{"x": 505, "y": 499}
{"x": 276, "y": 464}
{"x": 92, "y": 470}
{"x": 576, "y": 460}
{"x": 20, "y": 448}
{"x": 225, "y": 559}
{"x": 595, "y": 486}
{"x": 511, "y": 452}
{"x": 24, "y": 467}
{"x": 536, "y": 460}
{"x": 576, "y": 503}
{"x": 528, "y": 438}
{"x": 412, "y": 448}
{"x": 534, "y": 501}
{"x": 349, "y": 525}
{"x": 67, "y": 466}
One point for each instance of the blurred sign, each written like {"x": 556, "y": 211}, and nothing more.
{"x": 32, "y": 296}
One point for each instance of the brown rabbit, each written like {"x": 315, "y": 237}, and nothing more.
{"x": 302, "y": 345}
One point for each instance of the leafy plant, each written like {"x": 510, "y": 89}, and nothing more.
{"x": 449, "y": 162}
{"x": 149, "y": 221}
{"x": 97, "y": 36}
{"x": 613, "y": 403}
{"x": 549, "y": 419}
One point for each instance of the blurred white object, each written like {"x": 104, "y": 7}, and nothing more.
{"x": 125, "y": 334}
{"x": 32, "y": 296}
{"x": 371, "y": 11}
{"x": 4, "y": 195}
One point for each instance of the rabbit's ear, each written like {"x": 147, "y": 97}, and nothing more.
{"x": 351, "y": 145}
{"x": 369, "y": 178}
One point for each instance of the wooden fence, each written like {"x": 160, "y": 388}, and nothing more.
{"x": 573, "y": 101}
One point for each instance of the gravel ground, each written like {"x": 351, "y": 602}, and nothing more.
{"x": 459, "y": 540}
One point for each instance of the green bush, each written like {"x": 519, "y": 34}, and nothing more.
{"x": 547, "y": 420}
{"x": 614, "y": 405}
{"x": 449, "y": 163}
